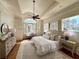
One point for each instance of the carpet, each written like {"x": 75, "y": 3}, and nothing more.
{"x": 27, "y": 51}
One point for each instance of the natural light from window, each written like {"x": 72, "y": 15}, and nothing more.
{"x": 29, "y": 26}
{"x": 71, "y": 23}
{"x": 31, "y": 21}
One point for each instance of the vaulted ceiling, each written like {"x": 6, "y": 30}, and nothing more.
{"x": 44, "y": 8}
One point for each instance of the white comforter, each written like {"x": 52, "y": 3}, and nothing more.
{"x": 43, "y": 45}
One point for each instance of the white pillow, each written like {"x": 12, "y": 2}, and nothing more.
{"x": 46, "y": 36}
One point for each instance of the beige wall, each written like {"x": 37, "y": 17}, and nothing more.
{"x": 19, "y": 28}
{"x": 6, "y": 16}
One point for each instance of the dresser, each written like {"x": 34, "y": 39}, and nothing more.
{"x": 7, "y": 42}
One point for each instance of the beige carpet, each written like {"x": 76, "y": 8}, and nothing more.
{"x": 27, "y": 51}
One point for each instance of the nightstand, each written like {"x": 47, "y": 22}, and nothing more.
{"x": 69, "y": 45}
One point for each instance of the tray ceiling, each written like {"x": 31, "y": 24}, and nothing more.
{"x": 44, "y": 8}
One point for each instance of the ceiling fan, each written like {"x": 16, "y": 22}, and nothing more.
{"x": 34, "y": 16}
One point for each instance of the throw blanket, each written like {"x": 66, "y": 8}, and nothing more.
{"x": 44, "y": 45}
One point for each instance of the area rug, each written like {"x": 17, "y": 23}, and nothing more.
{"x": 27, "y": 51}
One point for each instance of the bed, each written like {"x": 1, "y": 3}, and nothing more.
{"x": 44, "y": 46}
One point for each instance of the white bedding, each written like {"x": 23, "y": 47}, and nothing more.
{"x": 44, "y": 45}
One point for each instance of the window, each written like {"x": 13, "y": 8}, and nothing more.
{"x": 46, "y": 27}
{"x": 71, "y": 23}
{"x": 29, "y": 26}
{"x": 54, "y": 25}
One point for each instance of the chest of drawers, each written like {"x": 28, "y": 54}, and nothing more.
{"x": 7, "y": 42}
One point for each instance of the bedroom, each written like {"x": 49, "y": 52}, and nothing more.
{"x": 51, "y": 23}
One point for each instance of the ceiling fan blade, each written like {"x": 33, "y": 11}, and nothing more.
{"x": 38, "y": 18}
{"x": 37, "y": 15}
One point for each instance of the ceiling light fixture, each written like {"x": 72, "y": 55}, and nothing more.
{"x": 34, "y": 15}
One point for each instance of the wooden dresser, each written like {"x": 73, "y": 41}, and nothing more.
{"x": 7, "y": 42}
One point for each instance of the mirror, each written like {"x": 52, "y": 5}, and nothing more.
{"x": 4, "y": 28}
